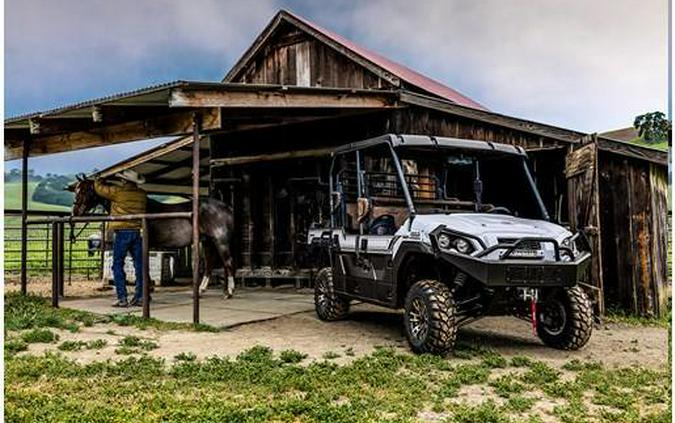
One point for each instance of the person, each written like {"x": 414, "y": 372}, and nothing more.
{"x": 125, "y": 198}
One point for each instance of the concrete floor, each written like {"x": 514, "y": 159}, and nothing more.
{"x": 247, "y": 306}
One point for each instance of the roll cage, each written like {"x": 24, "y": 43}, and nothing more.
{"x": 396, "y": 142}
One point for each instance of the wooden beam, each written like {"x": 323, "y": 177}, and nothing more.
{"x": 178, "y": 123}
{"x": 146, "y": 156}
{"x": 496, "y": 119}
{"x": 277, "y": 98}
{"x": 633, "y": 151}
{"x": 287, "y": 155}
{"x": 44, "y": 127}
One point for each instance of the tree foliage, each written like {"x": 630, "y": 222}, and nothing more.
{"x": 653, "y": 127}
{"x": 51, "y": 190}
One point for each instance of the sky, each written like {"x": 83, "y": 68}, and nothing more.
{"x": 586, "y": 65}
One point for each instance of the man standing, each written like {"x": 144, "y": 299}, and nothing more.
{"x": 125, "y": 198}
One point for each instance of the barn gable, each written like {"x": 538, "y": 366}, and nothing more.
{"x": 294, "y": 51}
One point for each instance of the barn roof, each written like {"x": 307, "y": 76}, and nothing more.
{"x": 354, "y": 51}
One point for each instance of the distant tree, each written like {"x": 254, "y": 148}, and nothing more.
{"x": 51, "y": 190}
{"x": 653, "y": 127}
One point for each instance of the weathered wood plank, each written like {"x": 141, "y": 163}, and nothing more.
{"x": 278, "y": 98}
{"x": 231, "y": 161}
{"x": 581, "y": 170}
{"x": 658, "y": 181}
{"x": 178, "y": 123}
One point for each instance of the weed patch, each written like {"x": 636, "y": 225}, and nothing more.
{"x": 44, "y": 336}
{"x": 292, "y": 356}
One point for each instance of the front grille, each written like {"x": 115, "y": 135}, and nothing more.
{"x": 533, "y": 275}
{"x": 525, "y": 245}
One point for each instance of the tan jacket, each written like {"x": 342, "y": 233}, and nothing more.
{"x": 124, "y": 199}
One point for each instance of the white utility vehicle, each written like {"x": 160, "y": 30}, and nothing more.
{"x": 450, "y": 230}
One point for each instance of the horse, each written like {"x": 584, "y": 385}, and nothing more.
{"x": 216, "y": 224}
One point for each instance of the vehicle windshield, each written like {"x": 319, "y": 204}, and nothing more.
{"x": 448, "y": 180}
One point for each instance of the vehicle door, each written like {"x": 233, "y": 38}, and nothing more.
{"x": 581, "y": 170}
{"x": 377, "y": 212}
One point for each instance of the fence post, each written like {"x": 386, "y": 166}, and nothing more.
{"x": 55, "y": 265}
{"x": 196, "y": 123}
{"x": 47, "y": 229}
{"x": 70, "y": 256}
{"x": 146, "y": 269}
{"x": 102, "y": 264}
{"x": 60, "y": 249}
{"x": 24, "y": 218}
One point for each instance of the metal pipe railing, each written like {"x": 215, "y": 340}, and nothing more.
{"x": 58, "y": 249}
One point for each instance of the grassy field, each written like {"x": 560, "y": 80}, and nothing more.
{"x": 39, "y": 260}
{"x": 13, "y": 198}
{"x": 263, "y": 385}
{"x": 663, "y": 145}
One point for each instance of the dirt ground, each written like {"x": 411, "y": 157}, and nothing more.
{"x": 366, "y": 327}
{"x": 615, "y": 345}
{"x": 77, "y": 286}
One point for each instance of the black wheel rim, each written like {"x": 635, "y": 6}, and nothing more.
{"x": 553, "y": 317}
{"x": 321, "y": 295}
{"x": 418, "y": 320}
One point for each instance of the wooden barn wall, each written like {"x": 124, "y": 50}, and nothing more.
{"x": 255, "y": 225}
{"x": 634, "y": 234}
{"x": 293, "y": 58}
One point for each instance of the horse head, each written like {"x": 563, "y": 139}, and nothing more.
{"x": 85, "y": 195}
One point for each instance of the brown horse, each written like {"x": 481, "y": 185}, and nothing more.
{"x": 216, "y": 224}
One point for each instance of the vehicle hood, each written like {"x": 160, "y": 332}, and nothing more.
{"x": 490, "y": 227}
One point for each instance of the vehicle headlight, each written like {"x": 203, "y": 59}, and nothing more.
{"x": 444, "y": 241}
{"x": 455, "y": 243}
{"x": 565, "y": 256}
{"x": 463, "y": 246}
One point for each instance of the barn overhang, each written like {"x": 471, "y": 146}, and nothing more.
{"x": 168, "y": 110}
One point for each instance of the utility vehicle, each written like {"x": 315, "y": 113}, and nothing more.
{"x": 450, "y": 230}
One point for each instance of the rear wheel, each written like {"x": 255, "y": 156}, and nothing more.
{"x": 429, "y": 318}
{"x": 328, "y": 305}
{"x": 565, "y": 319}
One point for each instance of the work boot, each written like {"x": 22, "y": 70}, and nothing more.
{"x": 138, "y": 302}
{"x": 121, "y": 303}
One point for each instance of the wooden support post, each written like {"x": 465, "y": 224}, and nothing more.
{"x": 55, "y": 266}
{"x": 146, "y": 270}
{"x": 24, "y": 217}
{"x": 196, "y": 123}
{"x": 61, "y": 259}
{"x": 102, "y": 263}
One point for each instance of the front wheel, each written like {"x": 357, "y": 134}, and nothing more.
{"x": 429, "y": 318}
{"x": 565, "y": 319}
{"x": 328, "y": 305}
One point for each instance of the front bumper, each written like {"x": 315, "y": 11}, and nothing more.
{"x": 517, "y": 272}
{"x": 522, "y": 273}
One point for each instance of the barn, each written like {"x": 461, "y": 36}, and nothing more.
{"x": 264, "y": 131}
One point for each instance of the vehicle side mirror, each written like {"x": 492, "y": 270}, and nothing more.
{"x": 363, "y": 209}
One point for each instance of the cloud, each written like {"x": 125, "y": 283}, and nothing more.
{"x": 579, "y": 64}
{"x": 66, "y": 50}
{"x": 586, "y": 65}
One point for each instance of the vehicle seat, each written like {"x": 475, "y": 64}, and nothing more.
{"x": 383, "y": 225}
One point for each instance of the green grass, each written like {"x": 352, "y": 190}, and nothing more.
{"x": 261, "y": 385}
{"x": 44, "y": 336}
{"x": 39, "y": 260}
{"x": 13, "y": 198}
{"x": 663, "y": 145}
{"x": 30, "y": 312}
{"x": 291, "y": 356}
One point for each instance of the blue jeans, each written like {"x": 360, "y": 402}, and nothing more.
{"x": 127, "y": 240}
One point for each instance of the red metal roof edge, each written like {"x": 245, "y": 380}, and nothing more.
{"x": 402, "y": 72}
